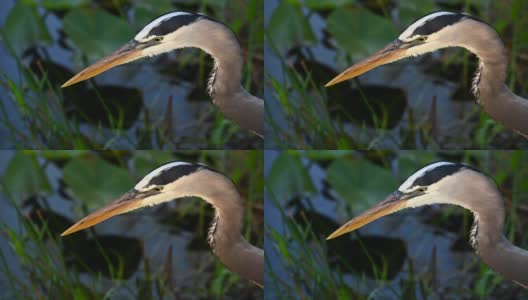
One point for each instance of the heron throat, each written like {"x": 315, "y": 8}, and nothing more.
{"x": 211, "y": 81}
{"x": 476, "y": 81}
{"x": 473, "y": 241}
{"x": 211, "y": 233}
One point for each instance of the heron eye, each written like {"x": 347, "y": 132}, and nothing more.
{"x": 422, "y": 189}
{"x": 422, "y": 39}
{"x": 158, "y": 39}
{"x": 158, "y": 189}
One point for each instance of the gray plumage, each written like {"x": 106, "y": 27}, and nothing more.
{"x": 465, "y": 186}
{"x": 442, "y": 30}
{"x": 224, "y": 83}
{"x": 478, "y": 193}
{"x": 488, "y": 86}
{"x": 178, "y": 180}
{"x": 224, "y": 236}
{"x": 181, "y": 30}
{"x": 224, "y": 233}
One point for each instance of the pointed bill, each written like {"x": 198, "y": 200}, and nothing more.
{"x": 123, "y": 204}
{"x": 127, "y": 53}
{"x": 389, "y": 53}
{"x": 389, "y": 205}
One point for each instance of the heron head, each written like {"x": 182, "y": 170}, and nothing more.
{"x": 171, "y": 31}
{"x": 434, "y": 183}
{"x": 170, "y": 181}
{"x": 431, "y": 32}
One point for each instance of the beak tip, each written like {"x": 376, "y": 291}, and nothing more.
{"x": 66, "y": 84}
{"x": 334, "y": 81}
{"x": 69, "y": 231}
{"x": 332, "y": 236}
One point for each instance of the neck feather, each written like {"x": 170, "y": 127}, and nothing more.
{"x": 224, "y": 82}
{"x": 220, "y": 42}
{"x": 488, "y": 84}
{"x": 508, "y": 260}
{"x": 489, "y": 242}
{"x": 486, "y": 236}
{"x": 224, "y": 234}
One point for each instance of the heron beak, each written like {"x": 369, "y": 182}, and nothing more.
{"x": 127, "y": 53}
{"x": 393, "y": 203}
{"x": 123, "y": 204}
{"x": 392, "y": 52}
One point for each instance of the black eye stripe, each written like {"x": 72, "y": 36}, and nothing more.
{"x": 174, "y": 23}
{"x": 173, "y": 173}
{"x": 438, "y": 173}
{"x": 433, "y": 25}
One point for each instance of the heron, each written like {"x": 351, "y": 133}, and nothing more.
{"x": 445, "y": 29}
{"x": 463, "y": 185}
{"x": 178, "y": 30}
{"x": 176, "y": 180}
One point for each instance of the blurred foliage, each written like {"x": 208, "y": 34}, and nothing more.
{"x": 64, "y": 4}
{"x": 110, "y": 31}
{"x": 24, "y": 27}
{"x": 349, "y": 30}
{"x": 288, "y": 178}
{"x": 25, "y": 178}
{"x": 305, "y": 266}
{"x": 42, "y": 32}
{"x": 39, "y": 184}
{"x": 95, "y": 181}
{"x": 288, "y": 27}
{"x": 333, "y": 35}
{"x": 360, "y": 179}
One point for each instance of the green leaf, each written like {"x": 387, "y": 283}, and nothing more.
{"x": 288, "y": 177}
{"x": 24, "y": 177}
{"x": 410, "y": 11}
{"x": 327, "y": 4}
{"x": 95, "y": 181}
{"x": 146, "y": 161}
{"x": 288, "y": 27}
{"x": 325, "y": 154}
{"x": 360, "y": 182}
{"x": 360, "y": 32}
{"x": 147, "y": 11}
{"x": 410, "y": 161}
{"x": 18, "y": 95}
{"x": 63, "y": 4}
{"x": 24, "y": 27}
{"x": 96, "y": 32}
{"x": 62, "y": 154}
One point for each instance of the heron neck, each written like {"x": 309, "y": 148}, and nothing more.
{"x": 508, "y": 260}
{"x": 489, "y": 242}
{"x": 488, "y": 84}
{"x": 225, "y": 239}
{"x": 224, "y": 82}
